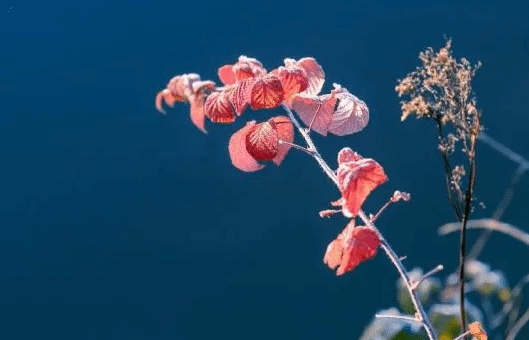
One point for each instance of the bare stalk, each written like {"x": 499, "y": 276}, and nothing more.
{"x": 490, "y": 224}
{"x": 518, "y": 326}
{"x": 422, "y": 317}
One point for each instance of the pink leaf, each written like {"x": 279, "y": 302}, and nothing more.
{"x": 351, "y": 247}
{"x": 244, "y": 68}
{"x": 294, "y": 80}
{"x": 318, "y": 110}
{"x": 356, "y": 180}
{"x": 164, "y": 96}
{"x": 197, "y": 111}
{"x": 360, "y": 244}
{"x": 285, "y": 132}
{"x": 239, "y": 155}
{"x": 226, "y": 75}
{"x": 204, "y": 86}
{"x": 315, "y": 75}
{"x": 351, "y": 115}
{"x": 182, "y": 86}
{"x": 348, "y": 155}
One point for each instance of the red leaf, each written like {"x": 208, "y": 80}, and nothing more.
{"x": 351, "y": 115}
{"x": 285, "y": 132}
{"x": 226, "y": 75}
{"x": 218, "y": 108}
{"x": 318, "y": 110}
{"x": 266, "y": 93}
{"x": 197, "y": 111}
{"x": 164, "y": 96}
{"x": 360, "y": 244}
{"x": 262, "y": 142}
{"x": 315, "y": 75}
{"x": 239, "y": 155}
{"x": 204, "y": 86}
{"x": 351, "y": 247}
{"x": 240, "y": 95}
{"x": 243, "y": 69}
{"x": 178, "y": 89}
{"x": 294, "y": 80}
{"x": 182, "y": 86}
{"x": 348, "y": 155}
{"x": 248, "y": 68}
{"x": 356, "y": 180}
{"x": 333, "y": 254}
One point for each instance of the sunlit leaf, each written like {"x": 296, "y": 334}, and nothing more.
{"x": 219, "y": 109}
{"x": 262, "y": 142}
{"x": 239, "y": 155}
{"x": 285, "y": 132}
{"x": 294, "y": 80}
{"x": 315, "y": 75}
{"x": 351, "y": 115}
{"x": 266, "y": 93}
{"x": 317, "y": 110}
{"x": 353, "y": 246}
{"x": 356, "y": 180}
{"x": 240, "y": 96}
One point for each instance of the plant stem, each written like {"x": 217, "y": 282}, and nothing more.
{"x": 463, "y": 237}
{"x": 422, "y": 317}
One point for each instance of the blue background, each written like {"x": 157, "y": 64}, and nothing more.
{"x": 120, "y": 223}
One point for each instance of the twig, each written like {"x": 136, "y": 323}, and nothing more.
{"x": 398, "y": 317}
{"x": 498, "y": 213}
{"x": 462, "y": 336}
{"x": 513, "y": 156}
{"x": 434, "y": 271}
{"x": 295, "y": 146}
{"x": 487, "y": 223}
{"x": 421, "y": 313}
{"x": 518, "y": 326}
{"x": 500, "y": 317}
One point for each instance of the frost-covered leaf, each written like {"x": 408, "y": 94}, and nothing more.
{"x": 317, "y": 110}
{"x": 351, "y": 115}
{"x": 285, "y": 132}
{"x": 239, "y": 155}
{"x": 262, "y": 142}
{"x": 294, "y": 80}
{"x": 352, "y": 247}
{"x": 315, "y": 75}
{"x": 266, "y": 93}
{"x": 356, "y": 180}
{"x": 219, "y": 109}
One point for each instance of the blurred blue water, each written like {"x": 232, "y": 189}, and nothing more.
{"x": 119, "y": 223}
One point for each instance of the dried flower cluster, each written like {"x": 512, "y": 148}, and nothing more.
{"x": 440, "y": 89}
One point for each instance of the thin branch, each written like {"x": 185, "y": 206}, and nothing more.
{"x": 421, "y": 313}
{"x": 463, "y": 236}
{"x": 295, "y": 146}
{"x": 490, "y": 224}
{"x": 507, "y": 307}
{"x": 462, "y": 336}
{"x": 498, "y": 213}
{"x": 434, "y": 271}
{"x": 518, "y": 326}
{"x": 513, "y": 156}
{"x": 398, "y": 317}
